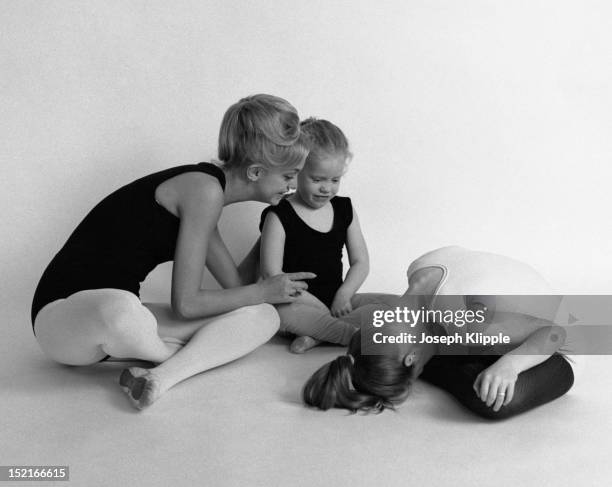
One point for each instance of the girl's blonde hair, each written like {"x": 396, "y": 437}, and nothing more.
{"x": 325, "y": 140}
{"x": 261, "y": 129}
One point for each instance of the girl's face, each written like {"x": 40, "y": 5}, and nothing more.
{"x": 276, "y": 182}
{"x": 319, "y": 181}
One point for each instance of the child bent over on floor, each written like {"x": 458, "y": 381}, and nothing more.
{"x": 307, "y": 231}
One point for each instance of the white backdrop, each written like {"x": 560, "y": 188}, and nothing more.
{"x": 480, "y": 123}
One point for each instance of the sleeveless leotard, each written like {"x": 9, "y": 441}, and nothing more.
{"x": 308, "y": 250}
{"x": 472, "y": 273}
{"x": 119, "y": 242}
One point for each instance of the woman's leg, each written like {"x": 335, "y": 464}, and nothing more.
{"x": 534, "y": 387}
{"x": 212, "y": 342}
{"x": 89, "y": 325}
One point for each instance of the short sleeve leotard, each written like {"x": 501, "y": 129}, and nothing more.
{"x": 119, "y": 242}
{"x": 308, "y": 250}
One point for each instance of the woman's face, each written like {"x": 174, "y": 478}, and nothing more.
{"x": 394, "y": 339}
{"x": 274, "y": 183}
{"x": 400, "y": 336}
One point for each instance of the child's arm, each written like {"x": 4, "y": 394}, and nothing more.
{"x": 272, "y": 246}
{"x": 359, "y": 262}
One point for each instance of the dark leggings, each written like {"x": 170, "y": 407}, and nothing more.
{"x": 534, "y": 387}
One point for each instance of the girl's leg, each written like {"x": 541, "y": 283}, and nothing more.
{"x": 312, "y": 322}
{"x": 313, "y": 325}
{"x": 212, "y": 342}
{"x": 379, "y": 299}
{"x": 89, "y": 325}
{"x": 534, "y": 387}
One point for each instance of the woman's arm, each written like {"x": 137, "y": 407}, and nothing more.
{"x": 199, "y": 205}
{"x": 220, "y": 262}
{"x": 248, "y": 270}
{"x": 495, "y": 385}
{"x": 223, "y": 268}
{"x": 538, "y": 346}
{"x": 359, "y": 262}
{"x": 272, "y": 246}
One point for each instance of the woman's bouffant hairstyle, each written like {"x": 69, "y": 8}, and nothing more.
{"x": 325, "y": 140}
{"x": 369, "y": 383}
{"x": 261, "y": 129}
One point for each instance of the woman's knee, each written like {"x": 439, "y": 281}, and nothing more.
{"x": 564, "y": 376}
{"x": 263, "y": 316}
{"x": 487, "y": 412}
{"x": 122, "y": 315}
{"x": 267, "y": 317}
{"x": 538, "y": 386}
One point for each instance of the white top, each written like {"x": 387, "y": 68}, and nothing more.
{"x": 473, "y": 273}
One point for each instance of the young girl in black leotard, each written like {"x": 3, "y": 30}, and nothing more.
{"x": 308, "y": 231}
{"x": 87, "y": 307}
{"x": 494, "y": 385}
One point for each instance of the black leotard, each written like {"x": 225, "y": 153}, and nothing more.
{"x": 119, "y": 242}
{"x": 308, "y": 250}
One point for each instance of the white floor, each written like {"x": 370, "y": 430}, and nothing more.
{"x": 243, "y": 424}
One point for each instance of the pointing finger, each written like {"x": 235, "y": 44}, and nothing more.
{"x": 298, "y": 276}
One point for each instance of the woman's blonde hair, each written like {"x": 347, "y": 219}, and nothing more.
{"x": 261, "y": 129}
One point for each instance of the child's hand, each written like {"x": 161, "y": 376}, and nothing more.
{"x": 341, "y": 305}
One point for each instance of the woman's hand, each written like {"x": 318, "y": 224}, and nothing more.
{"x": 495, "y": 384}
{"x": 341, "y": 305}
{"x": 284, "y": 288}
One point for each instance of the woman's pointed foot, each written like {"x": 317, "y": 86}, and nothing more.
{"x": 141, "y": 386}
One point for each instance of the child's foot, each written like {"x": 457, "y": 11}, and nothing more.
{"x": 141, "y": 386}
{"x": 303, "y": 344}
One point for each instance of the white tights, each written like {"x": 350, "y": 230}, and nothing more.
{"x": 89, "y": 325}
